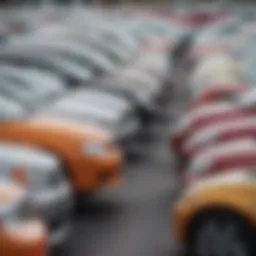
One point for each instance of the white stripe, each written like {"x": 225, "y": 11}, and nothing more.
{"x": 203, "y": 161}
{"x": 208, "y": 109}
{"x": 210, "y": 132}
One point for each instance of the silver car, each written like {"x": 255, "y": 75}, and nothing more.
{"x": 50, "y": 194}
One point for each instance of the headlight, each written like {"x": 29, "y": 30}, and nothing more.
{"x": 94, "y": 148}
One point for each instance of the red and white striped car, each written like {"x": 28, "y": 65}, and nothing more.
{"x": 212, "y": 114}
{"x": 222, "y": 157}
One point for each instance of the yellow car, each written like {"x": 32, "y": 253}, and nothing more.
{"x": 217, "y": 216}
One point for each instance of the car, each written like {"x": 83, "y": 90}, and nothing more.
{"x": 102, "y": 110}
{"x": 216, "y": 215}
{"x": 42, "y": 174}
{"x": 92, "y": 160}
{"x": 194, "y": 120}
{"x": 21, "y": 233}
{"x": 220, "y": 132}
{"x": 222, "y": 157}
{"x": 210, "y": 114}
{"x": 30, "y": 87}
{"x": 72, "y": 74}
{"x": 90, "y": 106}
{"x": 116, "y": 52}
{"x": 84, "y": 57}
{"x": 88, "y": 52}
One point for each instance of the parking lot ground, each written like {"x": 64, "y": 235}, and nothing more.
{"x": 135, "y": 219}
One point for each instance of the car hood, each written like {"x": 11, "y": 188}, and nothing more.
{"x": 64, "y": 126}
{"x": 51, "y": 133}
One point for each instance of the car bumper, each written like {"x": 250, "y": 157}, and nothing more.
{"x": 55, "y": 206}
{"x": 25, "y": 243}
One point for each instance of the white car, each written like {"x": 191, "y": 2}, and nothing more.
{"x": 42, "y": 174}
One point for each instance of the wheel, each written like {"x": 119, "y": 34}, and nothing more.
{"x": 221, "y": 233}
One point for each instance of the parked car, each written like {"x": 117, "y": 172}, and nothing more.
{"x": 194, "y": 120}
{"x": 220, "y": 132}
{"x": 222, "y": 157}
{"x": 116, "y": 52}
{"x": 217, "y": 209}
{"x": 100, "y": 109}
{"x": 44, "y": 178}
{"x": 84, "y": 57}
{"x": 30, "y": 87}
{"x": 20, "y": 233}
{"x": 89, "y": 154}
{"x": 210, "y": 114}
{"x": 72, "y": 74}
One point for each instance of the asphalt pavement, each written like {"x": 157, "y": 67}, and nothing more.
{"x": 134, "y": 219}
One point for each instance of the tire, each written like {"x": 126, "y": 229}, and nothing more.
{"x": 235, "y": 235}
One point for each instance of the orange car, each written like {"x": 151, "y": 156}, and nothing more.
{"x": 217, "y": 215}
{"x": 20, "y": 235}
{"x": 89, "y": 156}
